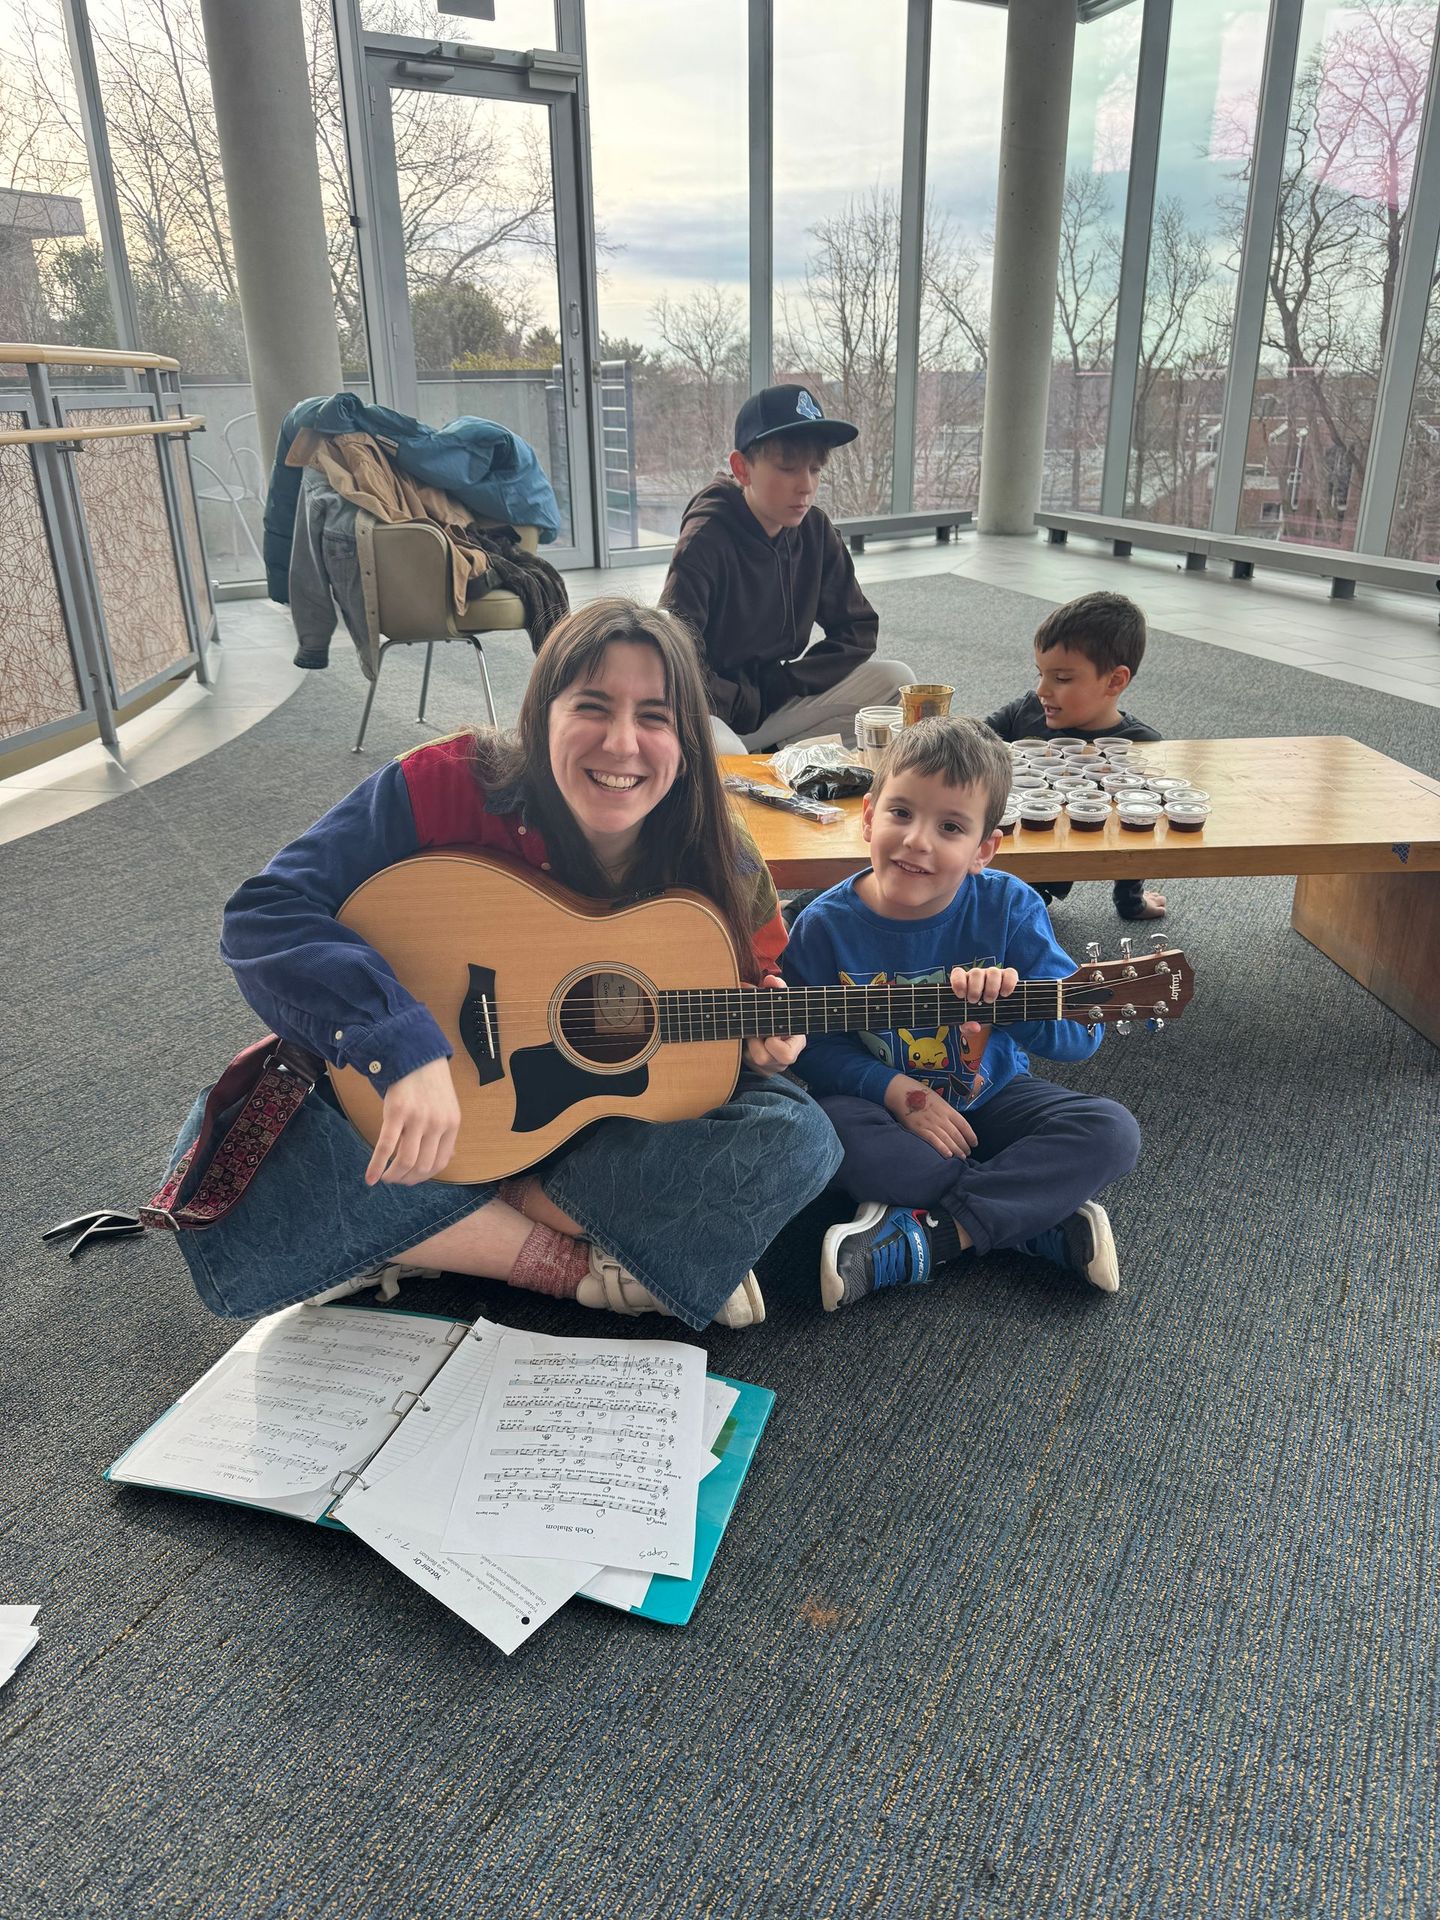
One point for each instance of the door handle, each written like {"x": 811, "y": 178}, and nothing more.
{"x": 575, "y": 319}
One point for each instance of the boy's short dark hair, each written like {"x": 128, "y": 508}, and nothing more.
{"x": 1106, "y": 627}
{"x": 961, "y": 752}
{"x": 796, "y": 443}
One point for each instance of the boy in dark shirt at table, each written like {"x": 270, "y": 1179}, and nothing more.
{"x": 1086, "y": 654}
{"x": 950, "y": 1142}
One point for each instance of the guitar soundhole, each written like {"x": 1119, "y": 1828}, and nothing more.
{"x": 607, "y": 1018}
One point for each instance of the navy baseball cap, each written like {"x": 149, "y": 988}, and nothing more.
{"x": 779, "y": 410}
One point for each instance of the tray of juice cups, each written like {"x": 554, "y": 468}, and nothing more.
{"x": 1087, "y": 812}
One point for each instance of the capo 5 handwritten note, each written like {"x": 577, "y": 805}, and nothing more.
{"x": 586, "y": 1450}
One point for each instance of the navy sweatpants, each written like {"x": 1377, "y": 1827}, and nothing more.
{"x": 1042, "y": 1150}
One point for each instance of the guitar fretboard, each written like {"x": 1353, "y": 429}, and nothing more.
{"x": 731, "y": 1014}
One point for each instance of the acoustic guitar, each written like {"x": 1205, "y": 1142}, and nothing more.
{"x": 563, "y": 1010}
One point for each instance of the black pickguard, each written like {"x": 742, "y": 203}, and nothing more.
{"x": 546, "y": 1083}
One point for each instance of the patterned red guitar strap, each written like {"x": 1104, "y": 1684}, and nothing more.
{"x": 273, "y": 1077}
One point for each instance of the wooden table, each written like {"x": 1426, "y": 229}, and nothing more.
{"x": 1361, "y": 832}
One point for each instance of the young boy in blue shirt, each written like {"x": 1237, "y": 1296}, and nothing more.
{"x": 1086, "y": 654}
{"x": 950, "y": 1144}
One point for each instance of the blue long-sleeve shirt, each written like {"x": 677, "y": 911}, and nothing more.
{"x": 994, "y": 920}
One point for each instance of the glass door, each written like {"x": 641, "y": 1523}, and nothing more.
{"x": 475, "y": 262}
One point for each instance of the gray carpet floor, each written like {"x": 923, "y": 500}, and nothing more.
{"x": 1036, "y": 1603}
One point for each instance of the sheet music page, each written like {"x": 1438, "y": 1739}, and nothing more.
{"x": 304, "y": 1395}
{"x": 616, "y": 1584}
{"x": 402, "y": 1501}
{"x": 586, "y": 1450}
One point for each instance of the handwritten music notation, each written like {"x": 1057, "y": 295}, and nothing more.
{"x": 588, "y": 1449}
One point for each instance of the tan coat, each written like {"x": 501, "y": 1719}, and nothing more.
{"x": 357, "y": 467}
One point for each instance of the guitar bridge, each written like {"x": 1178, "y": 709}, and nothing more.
{"x": 480, "y": 1026}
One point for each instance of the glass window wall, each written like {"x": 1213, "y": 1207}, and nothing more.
{"x": 517, "y": 24}
{"x": 53, "y": 287}
{"x": 962, "y": 171}
{"x": 1092, "y": 231}
{"x": 1207, "y": 133}
{"x": 1353, "y": 132}
{"x": 674, "y": 251}
{"x": 839, "y": 109}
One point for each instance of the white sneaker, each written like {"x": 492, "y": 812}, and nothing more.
{"x": 607, "y": 1284}
{"x": 385, "y": 1279}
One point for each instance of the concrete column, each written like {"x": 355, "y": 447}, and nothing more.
{"x": 272, "y": 183}
{"x": 1039, "y": 54}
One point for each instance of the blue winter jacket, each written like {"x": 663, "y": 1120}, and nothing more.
{"x": 492, "y": 470}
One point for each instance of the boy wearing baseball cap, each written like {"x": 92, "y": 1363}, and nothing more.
{"x": 758, "y": 566}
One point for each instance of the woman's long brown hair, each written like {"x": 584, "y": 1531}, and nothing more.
{"x": 689, "y": 838}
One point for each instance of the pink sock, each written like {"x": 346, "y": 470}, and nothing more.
{"x": 513, "y": 1193}
{"x": 551, "y": 1262}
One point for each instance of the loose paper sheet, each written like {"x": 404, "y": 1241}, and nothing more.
{"x": 303, "y": 1396}
{"x": 586, "y": 1449}
{"x": 402, "y": 1502}
{"x": 619, "y": 1586}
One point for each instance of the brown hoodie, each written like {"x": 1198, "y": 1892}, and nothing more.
{"x": 754, "y": 603}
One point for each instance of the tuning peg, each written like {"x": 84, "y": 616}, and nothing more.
{"x": 1127, "y": 948}
{"x": 1124, "y": 1026}
{"x": 1156, "y": 1025}
{"x": 1092, "y": 952}
{"x": 1157, "y": 943}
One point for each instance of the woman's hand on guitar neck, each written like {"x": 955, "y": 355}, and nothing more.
{"x": 780, "y": 1050}
{"x": 419, "y": 1122}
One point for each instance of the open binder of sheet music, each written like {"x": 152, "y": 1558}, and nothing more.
{"x": 503, "y": 1471}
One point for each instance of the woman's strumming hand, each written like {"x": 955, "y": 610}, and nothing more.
{"x": 780, "y": 1050}
{"x": 922, "y": 1111}
{"x": 418, "y": 1126}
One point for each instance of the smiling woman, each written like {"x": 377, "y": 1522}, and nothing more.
{"x": 609, "y": 785}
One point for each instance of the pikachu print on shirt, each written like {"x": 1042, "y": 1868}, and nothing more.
{"x": 950, "y": 1062}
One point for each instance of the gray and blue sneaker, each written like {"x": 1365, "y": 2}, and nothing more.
{"x": 882, "y": 1246}
{"x": 1083, "y": 1244}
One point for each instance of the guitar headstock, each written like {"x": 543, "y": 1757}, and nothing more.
{"x": 1153, "y": 987}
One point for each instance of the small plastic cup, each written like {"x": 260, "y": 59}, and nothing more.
{"x": 1164, "y": 784}
{"x": 1137, "y": 814}
{"x": 1187, "y": 815}
{"x": 1190, "y": 793}
{"x": 1113, "y": 743}
{"x": 1088, "y": 813}
{"x": 1038, "y": 814}
{"x": 1118, "y": 781}
{"x": 1028, "y": 783}
{"x": 1010, "y": 815}
{"x": 1064, "y": 740}
{"x": 1076, "y": 785}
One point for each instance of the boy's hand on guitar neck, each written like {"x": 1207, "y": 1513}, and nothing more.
{"x": 419, "y": 1124}
{"x": 780, "y": 1051}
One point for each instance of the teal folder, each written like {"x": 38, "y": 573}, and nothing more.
{"x": 671, "y": 1600}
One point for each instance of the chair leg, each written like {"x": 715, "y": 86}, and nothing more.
{"x": 485, "y": 676}
{"x": 425, "y": 680}
{"x": 369, "y": 702}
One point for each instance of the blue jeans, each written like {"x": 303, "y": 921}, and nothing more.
{"x": 686, "y": 1206}
{"x": 1042, "y": 1150}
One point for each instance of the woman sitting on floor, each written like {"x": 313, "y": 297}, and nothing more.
{"x": 611, "y": 781}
